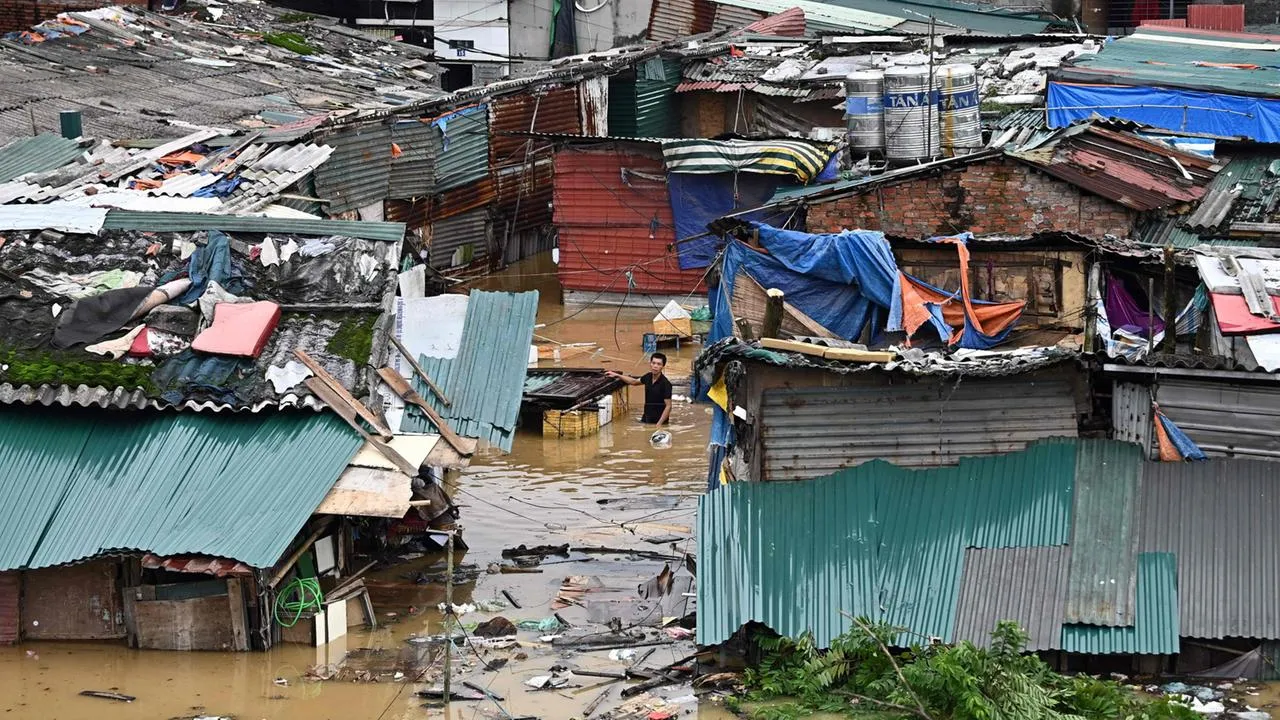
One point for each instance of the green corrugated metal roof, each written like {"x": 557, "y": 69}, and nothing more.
{"x": 460, "y": 144}
{"x": 980, "y": 19}
{"x": 74, "y": 485}
{"x": 1155, "y": 628}
{"x": 792, "y": 555}
{"x": 1139, "y": 60}
{"x": 185, "y": 222}
{"x": 37, "y": 154}
{"x": 1104, "y": 543}
{"x": 485, "y": 381}
{"x": 644, "y": 108}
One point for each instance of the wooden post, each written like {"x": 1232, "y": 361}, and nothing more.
{"x": 772, "y": 313}
{"x": 1170, "y": 344}
{"x": 1151, "y": 315}
{"x": 448, "y": 614}
{"x": 235, "y": 603}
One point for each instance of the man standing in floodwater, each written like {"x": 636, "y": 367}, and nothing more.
{"x": 657, "y": 390}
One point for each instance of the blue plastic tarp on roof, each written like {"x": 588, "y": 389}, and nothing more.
{"x": 1168, "y": 108}
{"x": 697, "y": 200}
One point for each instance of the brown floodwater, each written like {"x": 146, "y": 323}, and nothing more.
{"x": 546, "y": 491}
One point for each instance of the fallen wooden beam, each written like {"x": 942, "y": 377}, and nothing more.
{"x": 401, "y": 387}
{"x": 413, "y": 363}
{"x": 341, "y": 392}
{"x": 348, "y": 413}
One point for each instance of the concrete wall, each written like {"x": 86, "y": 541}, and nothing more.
{"x": 997, "y": 196}
{"x": 616, "y": 23}
{"x": 22, "y": 14}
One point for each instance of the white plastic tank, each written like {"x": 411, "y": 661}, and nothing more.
{"x": 910, "y": 115}
{"x": 959, "y": 116}
{"x": 864, "y": 113}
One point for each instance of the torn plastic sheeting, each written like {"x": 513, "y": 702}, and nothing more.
{"x": 62, "y": 216}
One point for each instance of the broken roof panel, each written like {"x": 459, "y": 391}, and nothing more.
{"x": 237, "y": 487}
{"x": 37, "y": 154}
{"x": 820, "y": 16}
{"x": 485, "y": 380}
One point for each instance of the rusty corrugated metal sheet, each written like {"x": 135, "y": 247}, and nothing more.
{"x": 788, "y": 23}
{"x": 526, "y": 191}
{"x": 671, "y": 19}
{"x": 1123, "y": 167}
{"x": 728, "y": 17}
{"x": 553, "y": 111}
{"x": 460, "y": 200}
{"x": 1166, "y": 22}
{"x": 196, "y": 565}
{"x": 10, "y": 601}
{"x": 413, "y": 213}
{"x": 608, "y": 225}
{"x": 357, "y": 172}
{"x": 413, "y": 172}
{"x": 1216, "y": 17}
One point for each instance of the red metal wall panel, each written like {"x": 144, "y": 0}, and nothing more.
{"x": 1216, "y": 17}
{"x": 459, "y": 200}
{"x": 527, "y": 188}
{"x": 555, "y": 111}
{"x": 10, "y": 591}
{"x": 605, "y": 223}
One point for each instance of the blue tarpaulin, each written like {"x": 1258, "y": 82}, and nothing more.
{"x": 697, "y": 200}
{"x": 1168, "y": 108}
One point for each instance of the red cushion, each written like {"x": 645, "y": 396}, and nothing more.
{"x": 141, "y": 346}
{"x": 240, "y": 329}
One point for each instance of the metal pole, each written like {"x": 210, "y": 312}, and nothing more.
{"x": 1151, "y": 315}
{"x": 448, "y": 614}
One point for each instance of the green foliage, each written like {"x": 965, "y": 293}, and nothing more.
{"x": 72, "y": 368}
{"x": 289, "y": 41}
{"x": 951, "y": 682}
{"x": 354, "y": 339}
{"x": 296, "y": 17}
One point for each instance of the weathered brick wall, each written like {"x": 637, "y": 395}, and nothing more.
{"x": 997, "y": 196}
{"x": 22, "y": 14}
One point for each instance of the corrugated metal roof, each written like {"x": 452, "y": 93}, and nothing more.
{"x": 1218, "y": 517}
{"x": 672, "y": 19}
{"x": 1155, "y": 628}
{"x": 645, "y": 106}
{"x": 358, "y": 172}
{"x": 1168, "y": 230}
{"x": 613, "y": 211}
{"x": 553, "y": 111}
{"x": 460, "y": 239}
{"x": 906, "y": 528}
{"x": 485, "y": 381}
{"x": 1122, "y": 167}
{"x": 75, "y": 485}
{"x": 460, "y": 145}
{"x": 788, "y": 23}
{"x": 413, "y": 173}
{"x": 1215, "y": 207}
{"x": 811, "y": 431}
{"x": 728, "y": 17}
{"x": 37, "y": 154}
{"x": 1026, "y": 585}
{"x": 952, "y": 18}
{"x": 840, "y": 15}
{"x": 1104, "y": 541}
{"x": 63, "y": 216}
{"x": 1158, "y": 56}
{"x": 183, "y": 222}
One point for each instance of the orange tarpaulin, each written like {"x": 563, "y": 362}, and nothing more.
{"x": 990, "y": 319}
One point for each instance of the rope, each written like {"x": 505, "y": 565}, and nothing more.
{"x": 301, "y": 587}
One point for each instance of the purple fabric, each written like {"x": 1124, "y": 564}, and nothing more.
{"x": 1124, "y": 312}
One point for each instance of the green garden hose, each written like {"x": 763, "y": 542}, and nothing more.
{"x": 299, "y": 596}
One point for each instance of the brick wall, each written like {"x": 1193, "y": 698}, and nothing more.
{"x": 22, "y": 14}
{"x": 997, "y": 196}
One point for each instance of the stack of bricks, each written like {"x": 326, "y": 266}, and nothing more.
{"x": 22, "y": 14}
{"x": 999, "y": 196}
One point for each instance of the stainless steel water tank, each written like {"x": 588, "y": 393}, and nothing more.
{"x": 910, "y": 115}
{"x": 864, "y": 112}
{"x": 959, "y": 114}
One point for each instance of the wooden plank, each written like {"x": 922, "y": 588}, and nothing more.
{"x": 793, "y": 346}
{"x": 374, "y": 421}
{"x": 413, "y": 363}
{"x": 401, "y": 387}
{"x": 199, "y": 624}
{"x": 78, "y": 602}
{"x": 239, "y": 623}
{"x": 346, "y": 412}
{"x": 856, "y": 355}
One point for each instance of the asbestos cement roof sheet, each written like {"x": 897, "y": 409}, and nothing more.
{"x": 1026, "y": 585}
{"x": 1218, "y": 518}
{"x": 1155, "y": 627}
{"x": 485, "y": 380}
{"x": 881, "y": 541}
{"x": 76, "y": 485}
{"x": 37, "y": 154}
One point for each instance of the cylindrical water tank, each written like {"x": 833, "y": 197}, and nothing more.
{"x": 959, "y": 116}
{"x": 910, "y": 115}
{"x": 864, "y": 112}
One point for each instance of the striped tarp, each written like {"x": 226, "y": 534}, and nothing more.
{"x": 802, "y": 158}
